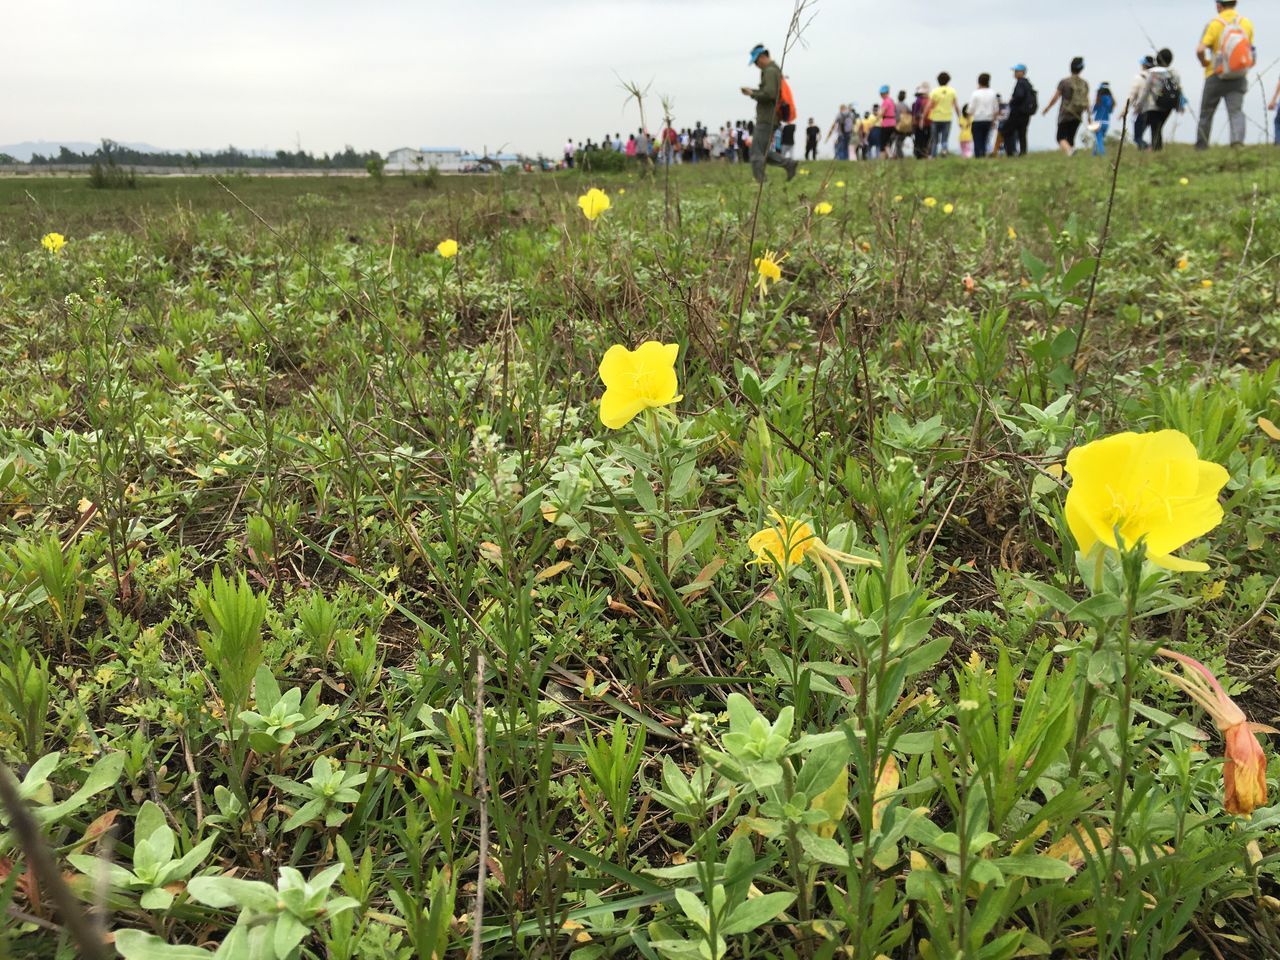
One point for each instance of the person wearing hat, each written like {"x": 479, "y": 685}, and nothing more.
{"x": 888, "y": 122}
{"x": 920, "y": 121}
{"x": 1073, "y": 92}
{"x": 766, "y": 97}
{"x": 1103, "y": 104}
{"x": 1220, "y": 82}
{"x": 1022, "y": 106}
{"x": 1137, "y": 103}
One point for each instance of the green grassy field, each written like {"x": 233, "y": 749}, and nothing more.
{"x": 331, "y": 603}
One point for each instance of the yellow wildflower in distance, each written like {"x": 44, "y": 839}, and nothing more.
{"x": 949, "y": 209}
{"x": 930, "y": 202}
{"x": 1206, "y": 283}
{"x": 593, "y": 203}
{"x": 1013, "y": 234}
{"x": 789, "y": 542}
{"x": 1183, "y": 263}
{"x": 897, "y": 198}
{"x": 1151, "y": 486}
{"x": 823, "y": 208}
{"x": 637, "y": 380}
{"x": 803, "y": 172}
{"x": 1184, "y": 181}
{"x": 447, "y": 248}
{"x": 53, "y": 242}
{"x": 840, "y": 184}
{"x": 621, "y": 191}
{"x": 768, "y": 270}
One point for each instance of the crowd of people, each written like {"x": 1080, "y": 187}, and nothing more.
{"x": 985, "y": 123}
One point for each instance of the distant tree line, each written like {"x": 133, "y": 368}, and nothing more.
{"x": 115, "y": 154}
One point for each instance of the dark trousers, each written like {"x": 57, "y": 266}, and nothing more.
{"x": 921, "y": 137}
{"x": 1015, "y": 134}
{"x": 981, "y": 137}
{"x": 1155, "y": 126}
{"x": 811, "y": 150}
{"x": 762, "y": 151}
{"x": 1140, "y": 131}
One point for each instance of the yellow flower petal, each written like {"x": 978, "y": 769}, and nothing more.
{"x": 447, "y": 248}
{"x": 593, "y": 203}
{"x": 636, "y": 380}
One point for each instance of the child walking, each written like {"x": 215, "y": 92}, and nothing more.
{"x": 965, "y": 123}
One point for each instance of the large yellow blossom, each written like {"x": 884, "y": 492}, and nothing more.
{"x": 447, "y": 248}
{"x": 637, "y": 380}
{"x": 789, "y": 542}
{"x": 593, "y": 203}
{"x": 768, "y": 270}
{"x": 1143, "y": 485}
{"x": 823, "y": 208}
{"x": 53, "y": 242}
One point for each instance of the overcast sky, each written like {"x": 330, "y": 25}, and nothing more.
{"x": 529, "y": 73}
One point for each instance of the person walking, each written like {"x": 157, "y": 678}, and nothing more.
{"x": 983, "y": 108}
{"x": 1073, "y": 93}
{"x": 942, "y": 111}
{"x": 1103, "y": 104}
{"x": 920, "y": 120}
{"x": 965, "y": 123}
{"x": 1022, "y": 107}
{"x": 905, "y": 127}
{"x": 1164, "y": 96}
{"x": 1226, "y": 53}
{"x": 1136, "y": 103}
{"x": 811, "y": 134}
{"x": 888, "y": 122}
{"x": 766, "y": 97}
{"x": 842, "y": 127}
{"x": 568, "y": 153}
{"x": 1275, "y": 105}
{"x": 788, "y": 140}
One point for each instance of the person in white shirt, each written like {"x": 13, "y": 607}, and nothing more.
{"x": 568, "y": 154}
{"x": 1138, "y": 102}
{"x": 983, "y": 109}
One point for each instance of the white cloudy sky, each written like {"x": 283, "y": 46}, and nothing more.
{"x": 528, "y": 73}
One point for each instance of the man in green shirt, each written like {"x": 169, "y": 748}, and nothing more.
{"x": 766, "y": 97}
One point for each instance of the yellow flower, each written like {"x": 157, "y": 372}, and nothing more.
{"x": 637, "y": 380}
{"x": 1206, "y": 284}
{"x": 930, "y": 202}
{"x": 823, "y": 208}
{"x": 447, "y": 248}
{"x": 1151, "y": 486}
{"x": 803, "y": 172}
{"x": 53, "y": 242}
{"x": 897, "y": 198}
{"x": 950, "y": 208}
{"x": 621, "y": 191}
{"x": 1013, "y": 234}
{"x": 768, "y": 270}
{"x": 866, "y": 247}
{"x": 789, "y": 542}
{"x": 840, "y": 184}
{"x": 1184, "y": 181}
{"x": 1183, "y": 263}
{"x": 593, "y": 203}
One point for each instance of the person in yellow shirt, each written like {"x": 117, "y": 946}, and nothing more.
{"x": 1220, "y": 84}
{"x": 942, "y": 110}
{"x": 965, "y": 123}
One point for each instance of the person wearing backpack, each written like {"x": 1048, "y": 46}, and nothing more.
{"x": 767, "y": 97}
{"x": 1023, "y": 104}
{"x": 1226, "y": 53}
{"x": 905, "y": 126}
{"x": 1073, "y": 92}
{"x": 1165, "y": 96}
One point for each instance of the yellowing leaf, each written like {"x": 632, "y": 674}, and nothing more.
{"x": 1269, "y": 428}
{"x": 832, "y": 801}
{"x": 887, "y": 783}
{"x": 552, "y": 571}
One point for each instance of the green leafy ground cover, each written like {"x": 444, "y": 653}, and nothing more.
{"x": 289, "y": 500}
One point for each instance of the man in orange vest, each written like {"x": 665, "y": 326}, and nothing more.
{"x": 766, "y": 97}
{"x": 1226, "y": 53}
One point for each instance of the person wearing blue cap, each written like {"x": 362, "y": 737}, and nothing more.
{"x": 1138, "y": 102}
{"x": 766, "y": 97}
{"x": 1023, "y": 104}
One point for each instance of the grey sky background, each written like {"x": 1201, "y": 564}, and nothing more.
{"x": 529, "y": 73}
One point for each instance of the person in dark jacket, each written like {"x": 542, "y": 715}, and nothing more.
{"x": 766, "y": 97}
{"x": 1022, "y": 104}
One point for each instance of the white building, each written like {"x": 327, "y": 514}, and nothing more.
{"x": 409, "y": 160}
